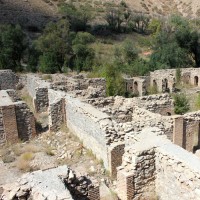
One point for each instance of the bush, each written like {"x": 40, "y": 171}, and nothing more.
{"x": 181, "y": 104}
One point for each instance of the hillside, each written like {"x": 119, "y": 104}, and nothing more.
{"x": 188, "y": 8}
{"x": 33, "y": 14}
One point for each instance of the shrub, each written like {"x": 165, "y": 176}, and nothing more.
{"x": 152, "y": 90}
{"x": 27, "y": 156}
{"x": 181, "y": 104}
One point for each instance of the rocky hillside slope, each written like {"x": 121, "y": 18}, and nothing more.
{"x": 31, "y": 14}
{"x": 34, "y": 14}
{"x": 188, "y": 8}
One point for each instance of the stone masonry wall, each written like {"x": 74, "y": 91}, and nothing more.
{"x": 9, "y": 123}
{"x": 38, "y": 90}
{"x": 89, "y": 125}
{"x": 162, "y": 103}
{"x": 158, "y": 168}
{"x": 57, "y": 114}
{"x": 25, "y": 121}
{"x": 178, "y": 174}
{"x": 41, "y": 100}
{"x": 2, "y": 133}
{"x": 8, "y": 79}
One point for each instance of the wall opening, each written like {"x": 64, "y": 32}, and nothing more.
{"x": 165, "y": 85}
{"x": 196, "y": 140}
{"x": 135, "y": 88}
{"x": 168, "y": 114}
{"x": 187, "y": 80}
{"x": 196, "y": 80}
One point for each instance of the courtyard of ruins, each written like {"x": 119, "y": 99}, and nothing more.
{"x": 64, "y": 129}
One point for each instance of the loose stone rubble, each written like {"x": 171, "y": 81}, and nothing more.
{"x": 62, "y": 184}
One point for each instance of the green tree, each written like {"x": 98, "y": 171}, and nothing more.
{"x": 115, "y": 84}
{"x": 181, "y": 104}
{"x": 78, "y": 17}
{"x": 55, "y": 44}
{"x": 130, "y": 51}
{"x": 168, "y": 54}
{"x": 116, "y": 15}
{"x": 13, "y": 43}
{"x": 83, "y": 54}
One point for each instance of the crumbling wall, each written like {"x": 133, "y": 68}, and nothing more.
{"x": 153, "y": 168}
{"x": 159, "y": 103}
{"x": 137, "y": 86}
{"x": 10, "y": 123}
{"x": 142, "y": 118}
{"x": 2, "y": 133}
{"x": 16, "y": 120}
{"x": 25, "y": 121}
{"x": 13, "y": 95}
{"x": 163, "y": 80}
{"x": 178, "y": 173}
{"x": 8, "y": 79}
{"x": 38, "y": 90}
{"x": 62, "y": 184}
{"x": 57, "y": 114}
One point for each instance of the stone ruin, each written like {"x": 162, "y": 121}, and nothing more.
{"x": 134, "y": 137}
{"x": 162, "y": 81}
{"x": 17, "y": 122}
{"x": 62, "y": 184}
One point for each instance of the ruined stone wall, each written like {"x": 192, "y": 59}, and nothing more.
{"x": 92, "y": 126}
{"x": 9, "y": 123}
{"x": 143, "y": 118}
{"x": 25, "y": 121}
{"x": 8, "y": 79}
{"x": 38, "y": 90}
{"x": 163, "y": 80}
{"x": 157, "y": 169}
{"x": 2, "y": 133}
{"x": 57, "y": 114}
{"x": 159, "y": 103}
{"x": 13, "y": 95}
{"x": 178, "y": 174}
{"x": 89, "y": 125}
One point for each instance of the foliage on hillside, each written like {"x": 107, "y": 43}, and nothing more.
{"x": 129, "y": 43}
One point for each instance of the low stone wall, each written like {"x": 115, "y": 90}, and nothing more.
{"x": 16, "y": 120}
{"x": 89, "y": 125}
{"x": 157, "y": 169}
{"x": 25, "y": 121}
{"x": 8, "y": 79}
{"x": 57, "y": 116}
{"x": 160, "y": 103}
{"x": 2, "y": 133}
{"x": 143, "y": 118}
{"x": 178, "y": 174}
{"x": 38, "y": 90}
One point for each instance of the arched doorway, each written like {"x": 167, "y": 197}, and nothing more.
{"x": 135, "y": 88}
{"x": 196, "y": 80}
{"x": 165, "y": 85}
{"x": 187, "y": 79}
